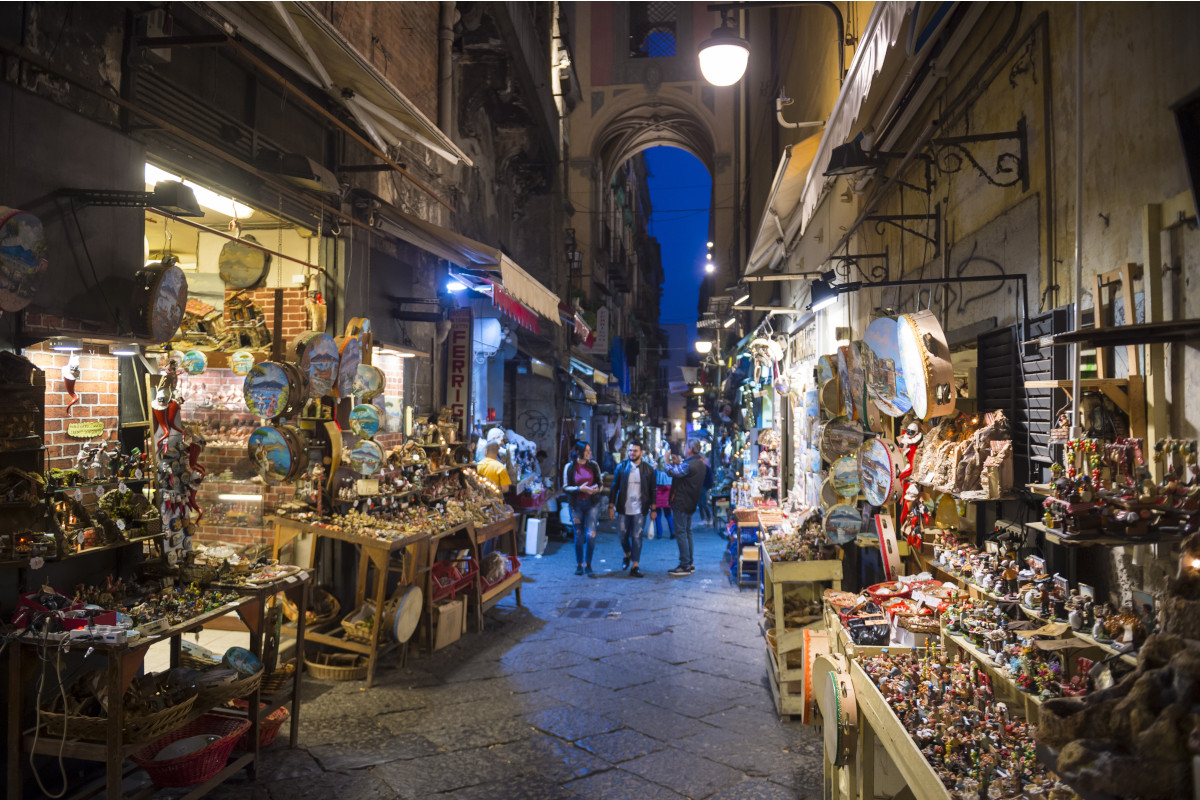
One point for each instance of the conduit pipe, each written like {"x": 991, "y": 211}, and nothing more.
{"x": 1076, "y": 427}
{"x": 445, "y": 66}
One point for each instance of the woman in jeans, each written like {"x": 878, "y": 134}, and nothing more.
{"x": 581, "y": 482}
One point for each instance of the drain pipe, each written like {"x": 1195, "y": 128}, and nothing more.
{"x": 445, "y": 67}
{"x": 1076, "y": 427}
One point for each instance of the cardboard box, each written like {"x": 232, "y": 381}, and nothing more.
{"x": 449, "y": 621}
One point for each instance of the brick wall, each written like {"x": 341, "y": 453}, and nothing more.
{"x": 400, "y": 40}
{"x": 97, "y": 390}
{"x": 295, "y": 316}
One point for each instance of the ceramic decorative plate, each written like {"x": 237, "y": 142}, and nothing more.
{"x": 194, "y": 362}
{"x": 842, "y": 523}
{"x": 241, "y": 362}
{"x": 881, "y": 357}
{"x": 267, "y": 389}
{"x": 844, "y": 474}
{"x": 271, "y": 453}
{"x": 368, "y": 382}
{"x": 365, "y": 457}
{"x": 351, "y": 357}
{"x": 23, "y": 258}
{"x": 365, "y": 421}
{"x": 316, "y": 355}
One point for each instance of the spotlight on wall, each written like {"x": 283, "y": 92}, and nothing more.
{"x": 697, "y": 390}
{"x": 729, "y": 322}
{"x": 710, "y": 245}
{"x": 695, "y": 415}
{"x": 823, "y": 295}
{"x": 742, "y": 297}
{"x": 454, "y": 286}
{"x": 703, "y": 346}
{"x": 124, "y": 349}
{"x": 63, "y": 345}
{"x": 724, "y": 56}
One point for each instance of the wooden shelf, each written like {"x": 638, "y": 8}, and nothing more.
{"x": 1054, "y": 536}
{"x": 1129, "y": 394}
{"x": 492, "y": 596}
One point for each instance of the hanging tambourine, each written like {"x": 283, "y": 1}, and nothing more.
{"x": 195, "y": 362}
{"x": 851, "y": 380}
{"x": 368, "y": 382}
{"x": 278, "y": 454}
{"x": 365, "y": 421}
{"x": 844, "y": 474}
{"x": 885, "y": 377}
{"x": 349, "y": 358}
{"x": 843, "y": 523}
{"x": 839, "y": 707}
{"x": 826, "y": 369}
{"x": 316, "y": 354}
{"x": 241, "y": 362}
{"x": 242, "y": 266}
{"x": 925, "y": 362}
{"x": 831, "y": 398}
{"x": 269, "y": 389}
{"x": 816, "y": 644}
{"x": 879, "y": 466}
{"x": 839, "y": 437}
{"x": 365, "y": 457}
{"x": 23, "y": 258}
{"x": 160, "y": 293}
{"x": 828, "y": 495}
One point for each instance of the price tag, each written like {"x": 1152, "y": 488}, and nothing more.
{"x": 79, "y": 537}
{"x": 120, "y": 524}
{"x": 138, "y": 473}
{"x": 78, "y": 495}
{"x": 122, "y": 488}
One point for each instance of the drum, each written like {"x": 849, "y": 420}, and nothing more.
{"x": 816, "y": 643}
{"x": 365, "y": 421}
{"x": 404, "y": 624}
{"x": 880, "y": 464}
{"x": 831, "y": 397}
{"x": 838, "y": 705}
{"x": 369, "y": 382}
{"x": 881, "y": 365}
{"x": 242, "y": 266}
{"x": 194, "y": 362}
{"x": 270, "y": 389}
{"x": 844, "y": 474}
{"x": 893, "y": 566}
{"x": 850, "y": 378}
{"x": 829, "y": 495}
{"x": 277, "y": 453}
{"x": 160, "y": 294}
{"x": 842, "y": 523}
{"x": 241, "y": 362}
{"x": 925, "y": 363}
{"x": 23, "y": 258}
{"x": 350, "y": 354}
{"x": 840, "y": 437}
{"x": 365, "y": 457}
{"x": 317, "y": 356}
{"x": 826, "y": 369}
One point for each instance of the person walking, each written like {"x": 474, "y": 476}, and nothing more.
{"x": 686, "y": 486}
{"x": 581, "y": 482}
{"x": 632, "y": 496}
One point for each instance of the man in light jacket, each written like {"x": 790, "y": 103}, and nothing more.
{"x": 632, "y": 496}
{"x": 687, "y": 484}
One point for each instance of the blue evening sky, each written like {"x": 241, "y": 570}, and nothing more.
{"x": 680, "y": 197}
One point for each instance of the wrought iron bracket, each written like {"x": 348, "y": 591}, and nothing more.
{"x": 952, "y": 153}
{"x": 899, "y": 220}
{"x": 877, "y": 273}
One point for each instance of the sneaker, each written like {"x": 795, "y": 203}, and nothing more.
{"x": 691, "y": 568}
{"x": 579, "y": 570}
{"x": 625, "y": 562}
{"x": 636, "y": 573}
{"x": 588, "y": 571}
{"x": 679, "y": 571}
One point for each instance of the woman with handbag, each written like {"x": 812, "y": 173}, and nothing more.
{"x": 581, "y": 482}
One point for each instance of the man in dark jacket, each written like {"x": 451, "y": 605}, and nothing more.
{"x": 687, "y": 484}
{"x": 632, "y": 497}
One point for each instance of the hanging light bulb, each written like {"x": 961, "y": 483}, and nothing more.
{"x": 724, "y": 56}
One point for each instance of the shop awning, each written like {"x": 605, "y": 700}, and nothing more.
{"x": 490, "y": 263}
{"x": 589, "y": 394}
{"x": 299, "y": 36}
{"x": 784, "y": 200}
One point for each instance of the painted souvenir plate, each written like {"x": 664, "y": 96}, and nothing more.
{"x": 267, "y": 389}
{"x": 271, "y": 454}
{"x": 365, "y": 421}
{"x": 408, "y": 615}
{"x": 368, "y": 382}
{"x": 925, "y": 362}
{"x": 242, "y": 266}
{"x": 351, "y": 357}
{"x": 881, "y": 363}
{"x": 879, "y": 465}
{"x": 23, "y": 258}
{"x": 844, "y": 474}
{"x": 316, "y": 354}
{"x": 851, "y": 379}
{"x": 241, "y": 362}
{"x": 840, "y": 437}
{"x": 828, "y": 495}
{"x": 242, "y": 660}
{"x": 194, "y": 362}
{"x": 842, "y": 523}
{"x": 160, "y": 295}
{"x": 826, "y": 369}
{"x": 365, "y": 457}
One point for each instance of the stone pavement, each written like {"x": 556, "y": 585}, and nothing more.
{"x": 605, "y": 688}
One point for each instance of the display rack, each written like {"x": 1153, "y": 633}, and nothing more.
{"x": 504, "y": 533}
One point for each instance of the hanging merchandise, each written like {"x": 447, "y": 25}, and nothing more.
{"x": 844, "y": 474}
{"x": 925, "y": 363}
{"x": 194, "y": 362}
{"x": 839, "y": 437}
{"x": 159, "y": 297}
{"x": 365, "y": 457}
{"x": 881, "y": 353}
{"x": 369, "y": 382}
{"x": 316, "y": 353}
{"x": 278, "y": 454}
{"x": 880, "y": 464}
{"x": 349, "y": 359}
{"x": 70, "y": 374}
{"x": 241, "y": 362}
{"x": 842, "y": 523}
{"x": 23, "y": 258}
{"x": 179, "y": 470}
{"x": 242, "y": 266}
{"x": 271, "y": 388}
{"x": 365, "y": 421}
{"x": 852, "y": 381}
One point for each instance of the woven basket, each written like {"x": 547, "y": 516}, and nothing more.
{"x": 337, "y": 666}
{"x": 278, "y": 679}
{"x": 195, "y": 767}
{"x": 268, "y": 728}
{"x": 361, "y": 631}
{"x": 137, "y": 729}
{"x": 212, "y": 697}
{"x": 324, "y": 608}
{"x": 190, "y": 661}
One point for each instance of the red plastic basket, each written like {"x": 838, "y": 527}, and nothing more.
{"x": 516, "y": 567}
{"x": 451, "y": 575}
{"x": 195, "y": 767}
{"x": 268, "y": 728}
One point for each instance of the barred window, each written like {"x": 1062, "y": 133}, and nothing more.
{"x": 652, "y": 30}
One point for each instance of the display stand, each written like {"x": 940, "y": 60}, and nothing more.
{"x": 373, "y": 553}
{"x": 457, "y": 538}
{"x": 124, "y": 662}
{"x": 505, "y": 535}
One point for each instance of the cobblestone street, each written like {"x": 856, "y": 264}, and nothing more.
{"x": 611, "y": 687}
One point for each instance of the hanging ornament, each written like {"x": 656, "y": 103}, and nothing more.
{"x": 70, "y": 374}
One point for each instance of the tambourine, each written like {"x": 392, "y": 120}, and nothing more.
{"x": 816, "y": 643}
{"x": 925, "y": 362}
{"x": 365, "y": 421}
{"x": 194, "y": 362}
{"x": 851, "y": 380}
{"x": 880, "y": 464}
{"x": 826, "y": 369}
{"x": 23, "y": 258}
{"x": 369, "y": 382}
{"x": 831, "y": 398}
{"x": 842, "y": 523}
{"x": 839, "y": 707}
{"x": 881, "y": 364}
{"x": 829, "y": 495}
{"x": 277, "y": 453}
{"x": 408, "y": 615}
{"x": 893, "y": 565}
{"x": 242, "y": 266}
{"x": 350, "y": 357}
{"x": 844, "y": 474}
{"x": 839, "y": 437}
{"x": 365, "y": 457}
{"x": 160, "y": 293}
{"x": 273, "y": 389}
{"x": 241, "y": 362}
{"x": 317, "y": 356}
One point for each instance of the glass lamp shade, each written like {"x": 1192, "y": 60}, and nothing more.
{"x": 724, "y": 57}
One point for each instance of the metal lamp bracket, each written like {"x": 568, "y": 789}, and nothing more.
{"x": 899, "y": 220}
{"x": 878, "y": 272}
{"x": 952, "y": 153}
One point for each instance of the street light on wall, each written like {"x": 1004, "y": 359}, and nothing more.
{"x": 724, "y": 55}
{"x": 703, "y": 346}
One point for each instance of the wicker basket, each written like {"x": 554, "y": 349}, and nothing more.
{"x": 195, "y": 767}
{"x": 268, "y": 728}
{"x": 190, "y": 661}
{"x": 337, "y": 666}
{"x": 214, "y": 696}
{"x": 360, "y": 631}
{"x": 278, "y": 679}
{"x": 325, "y": 608}
{"x": 137, "y": 729}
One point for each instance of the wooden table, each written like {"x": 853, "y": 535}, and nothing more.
{"x": 373, "y": 553}
{"x": 504, "y": 533}
{"x": 124, "y": 662}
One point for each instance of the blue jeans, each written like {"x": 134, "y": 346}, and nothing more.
{"x": 630, "y": 528}
{"x": 584, "y": 513}
{"x": 683, "y": 537}
{"x": 663, "y": 518}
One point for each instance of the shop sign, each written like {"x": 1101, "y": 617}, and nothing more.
{"x": 458, "y": 368}
{"x": 85, "y": 429}
{"x": 600, "y": 345}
